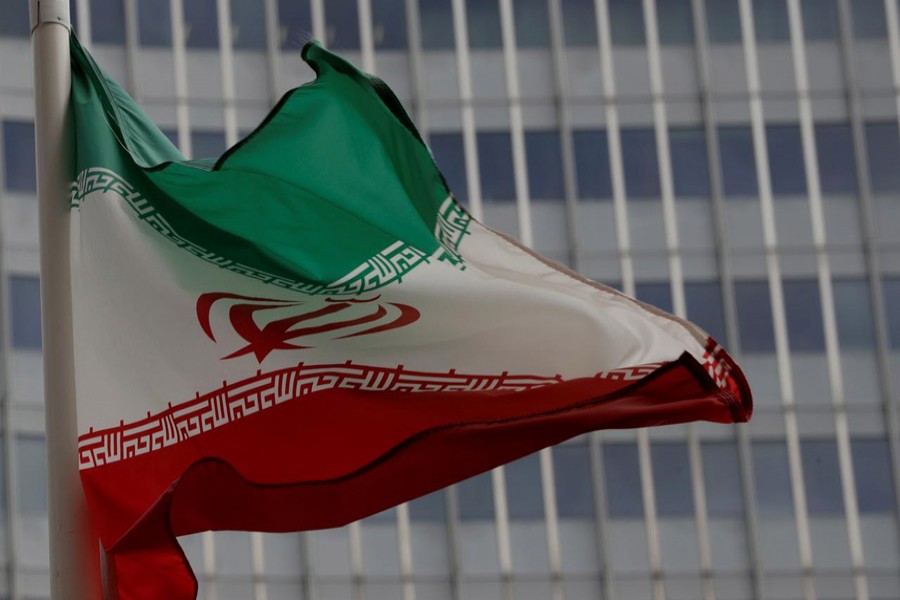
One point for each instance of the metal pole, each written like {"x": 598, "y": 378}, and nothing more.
{"x": 74, "y": 550}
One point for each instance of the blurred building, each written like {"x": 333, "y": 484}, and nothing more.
{"x": 737, "y": 161}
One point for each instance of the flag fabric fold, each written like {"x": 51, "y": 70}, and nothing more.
{"x": 311, "y": 329}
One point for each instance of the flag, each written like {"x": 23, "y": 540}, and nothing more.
{"x": 311, "y": 329}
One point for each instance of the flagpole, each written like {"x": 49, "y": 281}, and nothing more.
{"x": 74, "y": 549}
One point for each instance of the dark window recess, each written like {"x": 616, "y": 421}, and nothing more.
{"x": 592, "y": 163}
{"x": 869, "y": 20}
{"x": 524, "y": 496}
{"x": 738, "y": 162}
{"x": 723, "y": 21}
{"x": 640, "y": 163}
{"x": 626, "y": 22}
{"x": 803, "y": 310}
{"x": 532, "y": 23}
{"x": 436, "y": 20}
{"x": 449, "y": 155}
{"x": 483, "y": 19}
{"x": 659, "y": 294}
{"x": 579, "y": 22}
{"x": 891, "y": 290}
{"x": 771, "y": 20}
{"x": 754, "y": 313}
{"x": 672, "y": 479}
{"x": 389, "y": 24}
{"x": 853, "y": 312}
{"x": 622, "y": 473}
{"x": 873, "y": 474}
{"x": 342, "y": 24}
{"x": 248, "y": 23}
{"x": 834, "y": 150}
{"x": 704, "y": 307}
{"x": 822, "y": 477}
{"x": 154, "y": 23}
{"x": 495, "y": 165}
{"x": 572, "y": 472}
{"x": 172, "y": 134}
{"x": 675, "y": 21}
{"x": 542, "y": 152}
{"x": 25, "y": 312}
{"x": 200, "y": 24}
{"x": 476, "y": 498}
{"x": 820, "y": 20}
{"x": 294, "y": 23}
{"x": 432, "y": 507}
{"x": 385, "y": 516}
{"x": 690, "y": 165}
{"x": 772, "y": 479}
{"x": 207, "y": 144}
{"x": 722, "y": 475}
{"x": 786, "y": 168}
{"x": 107, "y": 22}
{"x": 883, "y": 145}
{"x": 15, "y": 22}
{"x": 19, "y": 170}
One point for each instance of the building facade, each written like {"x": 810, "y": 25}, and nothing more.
{"x": 733, "y": 161}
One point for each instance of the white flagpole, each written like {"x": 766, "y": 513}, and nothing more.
{"x": 74, "y": 549}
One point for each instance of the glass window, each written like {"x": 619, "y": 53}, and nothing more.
{"x": 107, "y": 22}
{"x": 820, "y": 19}
{"x": 19, "y": 170}
{"x": 248, "y": 25}
{"x": 207, "y": 144}
{"x": 853, "y": 312}
{"x": 883, "y": 145}
{"x": 436, "y": 21}
{"x": 449, "y": 155}
{"x": 723, "y": 21}
{"x": 432, "y": 507}
{"x": 172, "y": 134}
{"x": 690, "y": 167}
{"x": 295, "y": 23}
{"x": 754, "y": 313}
{"x": 786, "y": 166}
{"x": 342, "y": 24}
{"x": 771, "y": 20}
{"x": 822, "y": 476}
{"x": 873, "y": 474}
{"x": 722, "y": 475}
{"x": 25, "y": 311}
{"x": 532, "y": 23}
{"x": 592, "y": 163}
{"x": 15, "y": 21}
{"x": 676, "y": 22}
{"x": 737, "y": 159}
{"x": 891, "y": 287}
{"x": 524, "y": 495}
{"x": 483, "y": 18}
{"x": 389, "y": 24}
{"x": 154, "y": 23}
{"x": 869, "y": 20}
{"x": 659, "y": 294}
{"x": 495, "y": 165}
{"x": 623, "y": 481}
{"x": 476, "y": 498}
{"x": 803, "y": 310}
{"x": 704, "y": 307}
{"x": 639, "y": 163}
{"x": 834, "y": 150}
{"x": 772, "y": 479}
{"x": 626, "y": 22}
{"x": 579, "y": 22}
{"x": 542, "y": 151}
{"x": 572, "y": 474}
{"x": 200, "y": 24}
{"x": 672, "y": 479}
{"x": 386, "y": 516}
{"x": 31, "y": 474}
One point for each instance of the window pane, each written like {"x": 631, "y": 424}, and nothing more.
{"x": 873, "y": 474}
{"x": 803, "y": 310}
{"x": 772, "y": 478}
{"x": 154, "y": 23}
{"x": 754, "y": 314}
{"x": 592, "y": 163}
{"x": 207, "y": 144}
{"x": 704, "y": 307}
{"x": 532, "y": 23}
{"x": 31, "y": 474}
{"x": 690, "y": 168}
{"x": 25, "y": 312}
{"x": 723, "y": 21}
{"x": 786, "y": 166}
{"x": 574, "y": 488}
{"x": 295, "y": 23}
{"x": 483, "y": 18}
{"x": 659, "y": 294}
{"x": 579, "y": 22}
{"x": 837, "y": 168}
{"x": 342, "y": 24}
{"x": 524, "y": 496}
{"x": 432, "y": 507}
{"x": 107, "y": 22}
{"x": 738, "y": 163}
{"x": 820, "y": 19}
{"x": 676, "y": 22}
{"x": 200, "y": 24}
{"x": 495, "y": 165}
{"x": 476, "y": 498}
{"x": 771, "y": 20}
{"x": 623, "y": 481}
{"x": 542, "y": 150}
{"x": 822, "y": 476}
{"x": 389, "y": 24}
{"x": 449, "y": 155}
{"x": 672, "y": 479}
{"x": 436, "y": 19}
{"x": 639, "y": 163}
{"x": 883, "y": 145}
{"x": 626, "y": 21}
{"x": 722, "y": 475}
{"x": 891, "y": 287}
{"x": 248, "y": 24}
{"x": 853, "y": 312}
{"x": 869, "y": 20}
{"x": 18, "y": 156}
{"x": 15, "y": 22}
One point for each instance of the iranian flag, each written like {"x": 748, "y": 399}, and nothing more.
{"x": 311, "y": 328}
